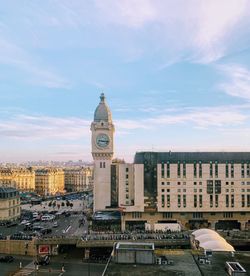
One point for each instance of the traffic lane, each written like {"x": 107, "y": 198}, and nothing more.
{"x": 63, "y": 223}
{"x": 6, "y": 231}
{"x": 9, "y": 268}
{"x": 71, "y": 269}
{"x": 69, "y": 225}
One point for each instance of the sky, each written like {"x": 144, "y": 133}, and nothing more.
{"x": 176, "y": 75}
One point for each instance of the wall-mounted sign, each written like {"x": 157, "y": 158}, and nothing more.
{"x": 44, "y": 249}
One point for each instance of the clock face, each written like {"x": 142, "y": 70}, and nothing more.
{"x": 102, "y": 140}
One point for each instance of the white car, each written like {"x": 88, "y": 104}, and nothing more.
{"x": 47, "y": 217}
{"x": 24, "y": 221}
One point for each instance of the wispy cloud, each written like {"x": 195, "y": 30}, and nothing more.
{"x": 237, "y": 82}
{"x": 44, "y": 128}
{"x": 17, "y": 57}
{"x": 197, "y": 31}
{"x": 202, "y": 117}
{"x": 37, "y": 127}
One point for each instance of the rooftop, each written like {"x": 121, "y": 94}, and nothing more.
{"x": 184, "y": 262}
{"x": 191, "y": 157}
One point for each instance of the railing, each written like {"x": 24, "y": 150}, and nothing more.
{"x": 80, "y": 242}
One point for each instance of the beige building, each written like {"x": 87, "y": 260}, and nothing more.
{"x": 49, "y": 181}
{"x": 78, "y": 179}
{"x": 9, "y": 204}
{"x": 23, "y": 179}
{"x": 194, "y": 189}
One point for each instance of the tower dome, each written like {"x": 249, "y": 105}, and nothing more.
{"x": 102, "y": 112}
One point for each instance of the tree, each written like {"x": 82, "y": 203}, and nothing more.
{"x": 63, "y": 204}
{"x": 50, "y": 204}
{"x": 71, "y": 205}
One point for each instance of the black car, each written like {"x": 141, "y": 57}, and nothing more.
{"x": 46, "y": 231}
{"x": 6, "y": 259}
{"x": 44, "y": 260}
{"x": 12, "y": 224}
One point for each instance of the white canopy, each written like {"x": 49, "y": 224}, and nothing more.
{"x": 209, "y": 239}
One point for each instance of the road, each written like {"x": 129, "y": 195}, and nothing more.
{"x": 72, "y": 267}
{"x": 66, "y": 226}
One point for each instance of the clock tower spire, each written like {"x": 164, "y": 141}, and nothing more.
{"x": 102, "y": 151}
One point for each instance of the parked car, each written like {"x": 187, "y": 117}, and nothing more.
{"x": 36, "y": 234}
{"x": 6, "y": 259}
{"x": 38, "y": 228}
{"x": 55, "y": 224}
{"x": 24, "y": 221}
{"x": 2, "y": 237}
{"x": 12, "y": 224}
{"x": 46, "y": 231}
{"x": 44, "y": 260}
{"x": 47, "y": 217}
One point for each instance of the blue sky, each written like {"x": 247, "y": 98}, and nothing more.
{"x": 176, "y": 75}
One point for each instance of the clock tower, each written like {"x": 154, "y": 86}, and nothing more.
{"x": 102, "y": 151}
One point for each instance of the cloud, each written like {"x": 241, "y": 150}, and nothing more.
{"x": 44, "y": 128}
{"x": 196, "y": 31}
{"x": 199, "y": 31}
{"x": 13, "y": 55}
{"x": 216, "y": 21}
{"x": 202, "y": 117}
{"x": 131, "y": 13}
{"x": 40, "y": 127}
{"x": 237, "y": 82}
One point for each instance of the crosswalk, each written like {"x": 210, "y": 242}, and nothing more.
{"x": 27, "y": 270}
{"x": 30, "y": 268}
{"x": 24, "y": 272}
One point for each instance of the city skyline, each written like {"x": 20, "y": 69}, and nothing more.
{"x": 175, "y": 78}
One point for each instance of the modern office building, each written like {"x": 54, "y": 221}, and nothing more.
{"x": 9, "y": 204}
{"x": 23, "y": 179}
{"x": 49, "y": 181}
{"x": 78, "y": 179}
{"x": 194, "y": 189}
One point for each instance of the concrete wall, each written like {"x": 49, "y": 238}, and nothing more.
{"x": 18, "y": 247}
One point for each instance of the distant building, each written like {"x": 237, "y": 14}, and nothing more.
{"x": 22, "y": 179}
{"x": 9, "y": 204}
{"x": 194, "y": 189}
{"x": 49, "y": 181}
{"x": 78, "y": 179}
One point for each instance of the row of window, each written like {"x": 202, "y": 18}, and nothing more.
{"x": 197, "y": 170}
{"x": 200, "y": 190}
{"x": 196, "y": 215}
{"x": 227, "y": 183}
{"x": 198, "y": 201}
{"x": 14, "y": 211}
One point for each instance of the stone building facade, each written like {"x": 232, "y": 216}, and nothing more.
{"x": 23, "y": 179}
{"x": 78, "y": 179}
{"x": 9, "y": 204}
{"x": 49, "y": 181}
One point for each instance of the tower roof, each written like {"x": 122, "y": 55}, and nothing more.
{"x": 102, "y": 112}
